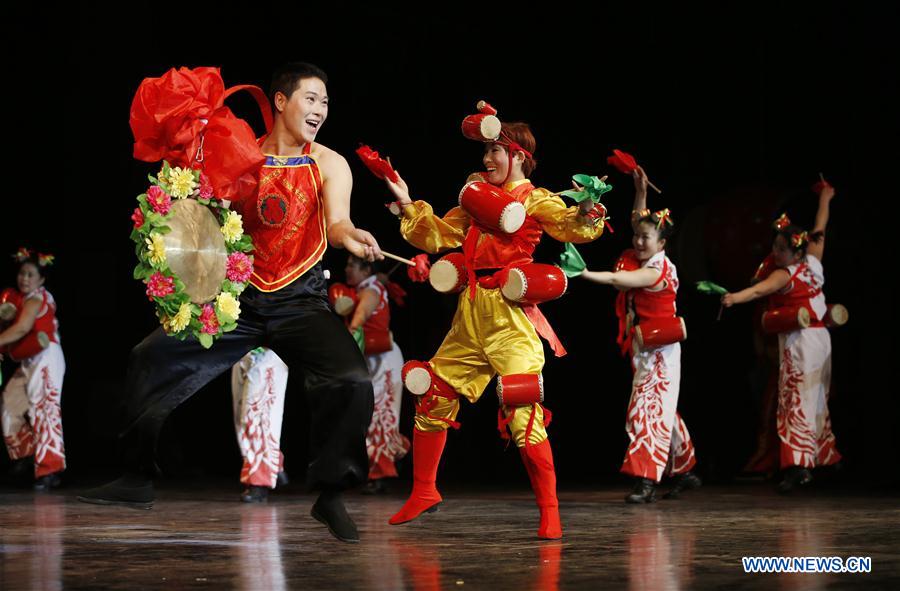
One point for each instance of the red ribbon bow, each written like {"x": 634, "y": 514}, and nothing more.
{"x": 45, "y": 259}
{"x": 622, "y": 161}
{"x": 180, "y": 117}
{"x": 376, "y": 164}
{"x": 23, "y": 254}
{"x": 663, "y": 215}
{"x": 799, "y": 240}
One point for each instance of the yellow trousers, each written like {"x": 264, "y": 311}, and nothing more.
{"x": 489, "y": 336}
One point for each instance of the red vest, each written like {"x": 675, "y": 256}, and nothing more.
{"x": 799, "y": 293}
{"x": 380, "y": 320}
{"x": 644, "y": 303}
{"x": 286, "y": 221}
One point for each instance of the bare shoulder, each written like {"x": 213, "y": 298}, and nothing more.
{"x": 330, "y": 162}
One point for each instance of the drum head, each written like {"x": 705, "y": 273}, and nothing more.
{"x": 7, "y": 311}
{"x": 803, "y": 317}
{"x": 839, "y": 314}
{"x": 444, "y": 276}
{"x": 516, "y": 285}
{"x": 195, "y": 250}
{"x": 512, "y": 218}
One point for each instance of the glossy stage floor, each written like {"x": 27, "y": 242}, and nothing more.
{"x": 480, "y": 539}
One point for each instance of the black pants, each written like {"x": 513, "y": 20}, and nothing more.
{"x": 297, "y": 323}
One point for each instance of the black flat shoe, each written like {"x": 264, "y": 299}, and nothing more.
{"x": 374, "y": 487}
{"x": 129, "y": 491}
{"x": 683, "y": 482}
{"x": 793, "y": 477}
{"x": 45, "y": 483}
{"x": 644, "y": 491}
{"x": 329, "y": 509}
{"x": 282, "y": 479}
{"x": 255, "y": 494}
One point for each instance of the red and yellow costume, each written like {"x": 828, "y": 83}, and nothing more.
{"x": 489, "y": 336}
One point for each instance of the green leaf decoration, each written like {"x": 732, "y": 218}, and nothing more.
{"x": 571, "y": 261}
{"x": 205, "y": 339}
{"x": 710, "y": 288}
{"x": 592, "y": 188}
{"x": 360, "y": 338}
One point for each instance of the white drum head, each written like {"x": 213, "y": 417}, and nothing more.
{"x": 418, "y": 381}
{"x": 512, "y": 218}
{"x": 516, "y": 285}
{"x": 444, "y": 276}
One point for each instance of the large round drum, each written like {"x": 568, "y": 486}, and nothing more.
{"x": 627, "y": 261}
{"x": 786, "y": 319}
{"x": 534, "y": 283}
{"x": 448, "y": 274}
{"x": 28, "y": 346}
{"x": 195, "y": 250}
{"x": 660, "y": 332}
{"x": 492, "y": 207}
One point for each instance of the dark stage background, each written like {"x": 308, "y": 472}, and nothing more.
{"x": 733, "y": 112}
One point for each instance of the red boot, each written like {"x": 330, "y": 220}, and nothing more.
{"x": 427, "y": 450}
{"x": 538, "y": 460}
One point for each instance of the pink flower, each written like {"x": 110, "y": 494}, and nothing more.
{"x": 206, "y": 190}
{"x": 159, "y": 286}
{"x": 239, "y": 267}
{"x": 208, "y": 320}
{"x": 158, "y": 200}
{"x": 138, "y": 218}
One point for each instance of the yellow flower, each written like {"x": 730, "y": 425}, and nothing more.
{"x": 182, "y": 182}
{"x": 227, "y": 305}
{"x": 156, "y": 250}
{"x": 181, "y": 319}
{"x": 233, "y": 228}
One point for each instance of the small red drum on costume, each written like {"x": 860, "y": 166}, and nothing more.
{"x": 28, "y": 346}
{"x": 492, "y": 207}
{"x": 520, "y": 389}
{"x": 534, "y": 283}
{"x": 342, "y": 298}
{"x": 416, "y": 377}
{"x": 787, "y": 319}
{"x": 377, "y": 342}
{"x": 10, "y": 300}
{"x": 485, "y": 107}
{"x": 836, "y": 315}
{"x": 660, "y": 332}
{"x": 482, "y": 127}
{"x": 448, "y": 275}
{"x": 627, "y": 261}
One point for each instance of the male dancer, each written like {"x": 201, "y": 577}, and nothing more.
{"x": 303, "y": 199}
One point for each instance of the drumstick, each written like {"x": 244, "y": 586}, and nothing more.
{"x": 654, "y": 187}
{"x": 719, "y": 317}
{"x": 396, "y": 258}
{"x": 394, "y": 268}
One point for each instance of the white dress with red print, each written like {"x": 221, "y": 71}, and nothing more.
{"x": 804, "y": 425}
{"x": 384, "y": 442}
{"x": 258, "y": 384}
{"x": 31, "y": 416}
{"x": 659, "y": 440}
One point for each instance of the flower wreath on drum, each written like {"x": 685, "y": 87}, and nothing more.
{"x": 192, "y": 254}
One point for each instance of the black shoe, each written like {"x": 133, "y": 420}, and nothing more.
{"x": 45, "y": 483}
{"x": 282, "y": 479}
{"x": 329, "y": 509}
{"x": 130, "y": 491}
{"x": 374, "y": 487}
{"x": 255, "y": 494}
{"x": 644, "y": 491}
{"x": 686, "y": 481}
{"x": 21, "y": 468}
{"x": 793, "y": 477}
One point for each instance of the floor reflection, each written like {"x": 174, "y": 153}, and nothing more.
{"x": 660, "y": 557}
{"x": 259, "y": 553}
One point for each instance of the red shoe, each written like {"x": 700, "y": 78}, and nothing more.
{"x": 538, "y": 460}
{"x": 427, "y": 449}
